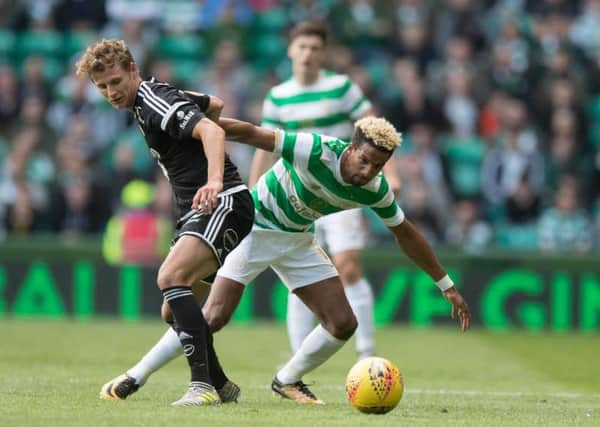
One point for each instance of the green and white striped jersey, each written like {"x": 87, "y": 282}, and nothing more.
{"x": 306, "y": 183}
{"x": 328, "y": 106}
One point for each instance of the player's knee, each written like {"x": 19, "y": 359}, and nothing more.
{"x": 349, "y": 269}
{"x": 165, "y": 313}
{"x": 215, "y": 318}
{"x": 168, "y": 278}
{"x": 351, "y": 274}
{"x": 343, "y": 326}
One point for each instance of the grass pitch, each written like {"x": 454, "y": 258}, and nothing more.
{"x": 51, "y": 372}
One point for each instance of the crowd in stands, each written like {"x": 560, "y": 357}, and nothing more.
{"x": 498, "y": 102}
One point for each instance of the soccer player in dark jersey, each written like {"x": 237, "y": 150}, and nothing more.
{"x": 213, "y": 205}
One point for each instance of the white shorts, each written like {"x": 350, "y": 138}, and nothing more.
{"x": 297, "y": 258}
{"x": 342, "y": 231}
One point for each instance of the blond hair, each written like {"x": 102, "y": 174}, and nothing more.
{"x": 379, "y": 132}
{"x": 104, "y": 54}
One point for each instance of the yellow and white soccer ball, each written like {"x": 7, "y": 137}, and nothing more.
{"x": 374, "y": 385}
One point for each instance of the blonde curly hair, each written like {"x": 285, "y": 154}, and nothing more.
{"x": 104, "y": 54}
{"x": 379, "y": 132}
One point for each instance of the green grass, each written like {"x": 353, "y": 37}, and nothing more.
{"x": 51, "y": 372}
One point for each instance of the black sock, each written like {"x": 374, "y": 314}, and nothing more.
{"x": 217, "y": 375}
{"x": 215, "y": 370}
{"x": 192, "y": 330}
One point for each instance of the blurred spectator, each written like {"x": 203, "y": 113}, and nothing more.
{"x": 366, "y": 25}
{"x": 414, "y": 107}
{"x": 565, "y": 227}
{"x": 139, "y": 232}
{"x": 227, "y": 76}
{"x": 34, "y": 81}
{"x": 417, "y": 204}
{"x": 458, "y": 58}
{"x": 412, "y": 42}
{"x": 467, "y": 230}
{"x": 518, "y": 228}
{"x": 459, "y": 17}
{"x": 9, "y": 96}
{"x": 514, "y": 157}
{"x": 304, "y": 10}
{"x": 524, "y": 205}
{"x": 79, "y": 14}
{"x": 490, "y": 116}
{"x": 459, "y": 105}
{"x": 81, "y": 207}
{"x": 585, "y": 31}
{"x": 420, "y": 164}
{"x": 21, "y": 217}
{"x": 146, "y": 11}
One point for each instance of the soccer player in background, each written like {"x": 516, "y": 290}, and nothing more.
{"x": 315, "y": 176}
{"x": 320, "y": 101}
{"x": 213, "y": 205}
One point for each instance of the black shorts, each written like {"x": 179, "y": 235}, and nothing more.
{"x": 223, "y": 229}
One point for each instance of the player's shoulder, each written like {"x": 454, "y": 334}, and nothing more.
{"x": 337, "y": 79}
{"x": 153, "y": 89}
{"x": 283, "y": 90}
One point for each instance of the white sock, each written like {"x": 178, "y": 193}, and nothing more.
{"x": 300, "y": 321}
{"x": 166, "y": 349}
{"x": 361, "y": 300}
{"x": 318, "y": 346}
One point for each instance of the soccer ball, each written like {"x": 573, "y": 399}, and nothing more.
{"x": 374, "y": 385}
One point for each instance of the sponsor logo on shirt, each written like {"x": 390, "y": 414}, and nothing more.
{"x": 184, "y": 118}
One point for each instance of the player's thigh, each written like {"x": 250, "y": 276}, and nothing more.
{"x": 343, "y": 231}
{"x": 189, "y": 260}
{"x": 307, "y": 271}
{"x": 349, "y": 265}
{"x": 302, "y": 261}
{"x": 328, "y": 301}
{"x": 217, "y": 234}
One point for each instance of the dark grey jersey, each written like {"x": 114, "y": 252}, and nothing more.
{"x": 167, "y": 116}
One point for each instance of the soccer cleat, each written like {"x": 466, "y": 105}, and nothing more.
{"x": 230, "y": 392}
{"x": 298, "y": 392}
{"x": 199, "y": 394}
{"x": 119, "y": 388}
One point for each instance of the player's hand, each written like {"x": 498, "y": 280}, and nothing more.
{"x": 460, "y": 309}
{"x": 206, "y": 196}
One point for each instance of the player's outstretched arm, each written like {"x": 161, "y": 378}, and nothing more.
{"x": 247, "y": 133}
{"x": 213, "y": 141}
{"x": 215, "y": 105}
{"x": 416, "y": 247}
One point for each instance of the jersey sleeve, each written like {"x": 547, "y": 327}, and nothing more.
{"x": 200, "y": 99}
{"x": 386, "y": 207}
{"x": 270, "y": 114}
{"x": 356, "y": 101}
{"x": 297, "y": 146}
{"x": 171, "y": 110}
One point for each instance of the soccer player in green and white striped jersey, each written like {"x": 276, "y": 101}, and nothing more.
{"x": 316, "y": 176}
{"x": 320, "y": 101}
